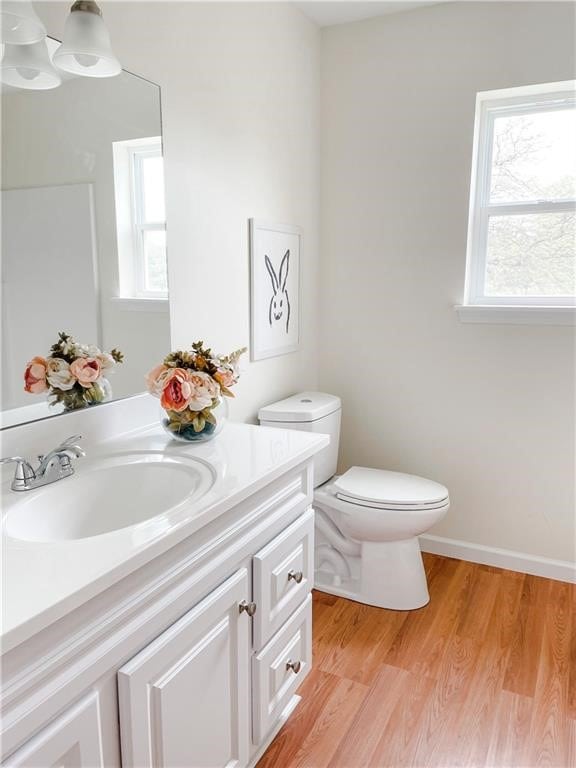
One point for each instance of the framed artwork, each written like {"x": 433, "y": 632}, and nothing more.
{"x": 274, "y": 289}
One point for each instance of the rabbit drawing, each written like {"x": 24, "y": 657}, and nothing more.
{"x": 280, "y": 302}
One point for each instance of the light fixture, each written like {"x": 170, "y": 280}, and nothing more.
{"x": 28, "y": 67}
{"x": 19, "y": 24}
{"x": 86, "y": 48}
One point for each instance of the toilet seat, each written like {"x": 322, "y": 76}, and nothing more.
{"x": 382, "y": 489}
{"x": 390, "y": 506}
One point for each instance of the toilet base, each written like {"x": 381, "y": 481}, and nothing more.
{"x": 387, "y": 574}
{"x": 392, "y": 575}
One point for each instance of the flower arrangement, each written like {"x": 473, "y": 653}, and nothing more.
{"x": 73, "y": 374}
{"x": 190, "y": 386}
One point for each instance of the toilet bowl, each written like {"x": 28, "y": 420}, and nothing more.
{"x": 386, "y": 527}
{"x": 367, "y": 520}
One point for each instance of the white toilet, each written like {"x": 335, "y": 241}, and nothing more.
{"x": 367, "y": 520}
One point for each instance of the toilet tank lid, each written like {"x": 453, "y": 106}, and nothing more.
{"x": 302, "y": 407}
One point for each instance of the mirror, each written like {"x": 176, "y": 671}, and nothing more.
{"x": 83, "y": 230}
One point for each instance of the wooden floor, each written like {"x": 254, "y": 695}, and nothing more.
{"x": 484, "y": 675}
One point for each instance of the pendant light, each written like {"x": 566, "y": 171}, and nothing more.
{"x": 28, "y": 67}
{"x": 86, "y": 48}
{"x": 19, "y": 24}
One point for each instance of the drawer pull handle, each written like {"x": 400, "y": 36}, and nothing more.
{"x": 250, "y": 608}
{"x": 295, "y": 666}
{"x": 296, "y": 575}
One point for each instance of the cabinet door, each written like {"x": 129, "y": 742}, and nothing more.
{"x": 73, "y": 740}
{"x": 184, "y": 699}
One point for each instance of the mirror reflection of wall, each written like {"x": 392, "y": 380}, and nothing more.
{"x": 83, "y": 229}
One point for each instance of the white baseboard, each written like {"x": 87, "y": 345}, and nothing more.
{"x": 560, "y": 570}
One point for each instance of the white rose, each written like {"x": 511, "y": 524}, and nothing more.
{"x": 107, "y": 362}
{"x": 79, "y": 350}
{"x": 58, "y": 373}
{"x": 203, "y": 390}
{"x": 68, "y": 347}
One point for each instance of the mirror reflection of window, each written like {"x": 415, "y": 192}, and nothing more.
{"x": 141, "y": 218}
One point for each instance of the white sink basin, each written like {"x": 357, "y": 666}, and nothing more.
{"x": 108, "y": 494}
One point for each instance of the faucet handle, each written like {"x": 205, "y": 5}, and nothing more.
{"x": 24, "y": 473}
{"x": 70, "y": 441}
{"x": 70, "y": 448}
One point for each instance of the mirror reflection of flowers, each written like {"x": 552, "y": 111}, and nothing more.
{"x": 190, "y": 385}
{"x": 73, "y": 374}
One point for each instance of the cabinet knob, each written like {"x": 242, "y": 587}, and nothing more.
{"x": 249, "y": 608}
{"x": 296, "y": 575}
{"x": 295, "y": 666}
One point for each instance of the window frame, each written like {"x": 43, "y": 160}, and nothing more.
{"x": 140, "y": 224}
{"x": 489, "y": 106}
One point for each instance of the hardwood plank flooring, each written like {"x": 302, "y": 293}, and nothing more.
{"x": 484, "y": 676}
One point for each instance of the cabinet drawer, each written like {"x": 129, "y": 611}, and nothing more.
{"x": 283, "y": 576}
{"x": 273, "y": 681}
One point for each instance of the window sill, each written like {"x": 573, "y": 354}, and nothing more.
{"x": 512, "y": 315}
{"x": 140, "y": 305}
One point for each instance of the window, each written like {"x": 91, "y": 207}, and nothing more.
{"x": 140, "y": 218}
{"x": 522, "y": 227}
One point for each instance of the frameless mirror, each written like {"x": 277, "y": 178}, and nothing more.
{"x": 83, "y": 230}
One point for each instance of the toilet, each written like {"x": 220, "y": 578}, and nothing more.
{"x": 367, "y": 520}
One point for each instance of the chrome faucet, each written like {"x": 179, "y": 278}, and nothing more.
{"x": 54, "y": 466}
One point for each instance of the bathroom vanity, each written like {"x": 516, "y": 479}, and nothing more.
{"x": 176, "y": 640}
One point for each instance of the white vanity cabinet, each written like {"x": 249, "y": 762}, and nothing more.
{"x": 185, "y": 700}
{"x": 193, "y": 660}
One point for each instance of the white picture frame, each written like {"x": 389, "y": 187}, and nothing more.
{"x": 274, "y": 289}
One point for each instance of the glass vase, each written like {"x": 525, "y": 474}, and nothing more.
{"x": 180, "y": 427}
{"x": 73, "y": 401}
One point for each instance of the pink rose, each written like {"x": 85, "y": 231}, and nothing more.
{"x": 155, "y": 379}
{"x": 225, "y": 376}
{"x": 35, "y": 376}
{"x": 86, "y": 370}
{"x": 176, "y": 390}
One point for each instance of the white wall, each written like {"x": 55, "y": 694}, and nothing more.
{"x": 487, "y": 410}
{"x": 240, "y": 106}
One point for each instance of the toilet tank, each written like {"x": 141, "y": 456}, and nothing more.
{"x": 310, "y": 412}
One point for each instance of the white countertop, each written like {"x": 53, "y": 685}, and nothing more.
{"x": 43, "y": 581}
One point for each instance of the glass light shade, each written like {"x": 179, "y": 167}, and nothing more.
{"x": 86, "y": 49}
{"x": 28, "y": 67}
{"x": 19, "y": 24}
